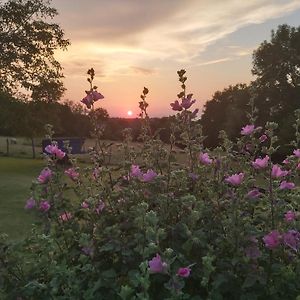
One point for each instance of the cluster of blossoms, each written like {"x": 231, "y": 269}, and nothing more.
{"x": 91, "y": 97}
{"x": 55, "y": 151}
{"x": 186, "y": 103}
{"x": 136, "y": 172}
{"x": 157, "y": 265}
{"x": 290, "y": 239}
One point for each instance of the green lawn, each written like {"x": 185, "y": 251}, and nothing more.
{"x": 16, "y": 175}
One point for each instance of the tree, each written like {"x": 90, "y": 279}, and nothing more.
{"x": 27, "y": 48}
{"x": 276, "y": 63}
{"x": 225, "y": 111}
{"x": 275, "y": 91}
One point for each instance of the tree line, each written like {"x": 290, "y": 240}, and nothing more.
{"x": 29, "y": 38}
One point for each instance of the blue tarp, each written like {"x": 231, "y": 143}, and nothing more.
{"x": 75, "y": 143}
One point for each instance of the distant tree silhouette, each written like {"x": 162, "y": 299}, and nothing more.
{"x": 225, "y": 111}
{"x": 28, "y": 41}
{"x": 276, "y": 90}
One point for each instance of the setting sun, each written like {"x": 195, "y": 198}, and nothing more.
{"x": 129, "y": 113}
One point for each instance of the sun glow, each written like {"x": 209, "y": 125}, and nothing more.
{"x": 129, "y": 113}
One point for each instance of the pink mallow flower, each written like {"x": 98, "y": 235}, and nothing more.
{"x": 277, "y": 172}
{"x": 205, "y": 159}
{"x": 263, "y": 138}
{"x": 247, "y": 130}
{"x": 156, "y": 265}
{"x": 89, "y": 251}
{"x": 290, "y": 216}
{"x": 44, "y": 206}
{"x": 253, "y": 194}
{"x": 176, "y": 106}
{"x": 286, "y": 161}
{"x": 272, "y": 239}
{"x": 85, "y": 204}
{"x": 184, "y": 272}
{"x": 284, "y": 185}
{"x": 261, "y": 163}
{"x": 135, "y": 171}
{"x": 72, "y": 173}
{"x": 292, "y": 239}
{"x": 99, "y": 208}
{"x": 88, "y": 101}
{"x": 97, "y": 96}
{"x": 149, "y": 176}
{"x": 253, "y": 252}
{"x": 54, "y": 150}
{"x": 66, "y": 216}
{"x": 45, "y": 175}
{"x": 30, "y": 203}
{"x": 235, "y": 179}
{"x": 187, "y": 101}
{"x": 297, "y": 153}
{"x": 91, "y": 97}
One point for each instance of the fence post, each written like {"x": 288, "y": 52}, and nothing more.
{"x": 7, "y": 146}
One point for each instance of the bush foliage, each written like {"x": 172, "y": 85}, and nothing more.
{"x": 222, "y": 226}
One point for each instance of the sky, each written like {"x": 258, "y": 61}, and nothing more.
{"x": 137, "y": 43}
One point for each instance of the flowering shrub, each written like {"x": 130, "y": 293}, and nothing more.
{"x": 222, "y": 225}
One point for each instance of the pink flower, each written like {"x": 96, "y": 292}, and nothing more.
{"x": 205, "y": 159}
{"x": 149, "y": 176}
{"x": 187, "y": 101}
{"x": 176, "y": 106}
{"x": 54, "y": 150}
{"x": 290, "y": 216}
{"x": 292, "y": 239}
{"x": 253, "y": 252}
{"x": 284, "y": 185}
{"x": 30, "y": 203}
{"x": 100, "y": 207}
{"x": 286, "y": 161}
{"x": 88, "y": 101}
{"x": 235, "y": 179}
{"x": 135, "y": 171}
{"x": 156, "y": 265}
{"x": 85, "y": 204}
{"x": 72, "y": 174}
{"x": 249, "y": 147}
{"x": 96, "y": 173}
{"x": 193, "y": 176}
{"x": 247, "y": 130}
{"x": 97, "y": 96}
{"x": 297, "y": 153}
{"x": 277, "y": 172}
{"x": 65, "y": 216}
{"x": 261, "y": 163}
{"x": 253, "y": 194}
{"x": 89, "y": 251}
{"x": 44, "y": 206}
{"x": 45, "y": 175}
{"x": 263, "y": 138}
{"x": 298, "y": 166}
{"x": 272, "y": 240}
{"x": 91, "y": 97}
{"x": 184, "y": 272}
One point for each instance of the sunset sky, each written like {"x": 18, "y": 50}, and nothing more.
{"x": 137, "y": 43}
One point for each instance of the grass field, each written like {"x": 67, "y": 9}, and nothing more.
{"x": 16, "y": 175}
